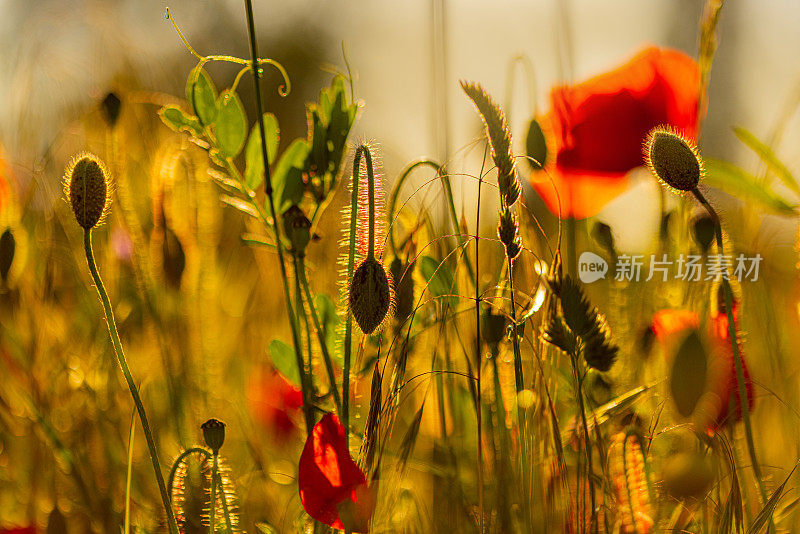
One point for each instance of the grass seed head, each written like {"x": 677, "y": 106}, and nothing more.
{"x": 87, "y": 189}
{"x": 673, "y": 159}
{"x": 370, "y": 295}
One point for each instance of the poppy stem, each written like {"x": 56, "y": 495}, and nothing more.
{"x": 572, "y": 246}
{"x": 123, "y": 363}
{"x": 744, "y": 402}
{"x": 212, "y": 504}
{"x": 271, "y": 201}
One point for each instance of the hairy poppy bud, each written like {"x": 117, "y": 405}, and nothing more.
{"x": 87, "y": 189}
{"x": 370, "y": 295}
{"x": 297, "y": 228}
{"x": 213, "y": 434}
{"x": 673, "y": 159}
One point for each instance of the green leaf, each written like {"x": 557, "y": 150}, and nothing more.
{"x": 202, "y": 95}
{"x": 688, "y": 377}
{"x": 175, "y": 118}
{"x": 287, "y": 181}
{"x": 231, "y": 124}
{"x": 769, "y": 157}
{"x": 741, "y": 184}
{"x": 440, "y": 279}
{"x": 285, "y": 361}
{"x": 254, "y": 159}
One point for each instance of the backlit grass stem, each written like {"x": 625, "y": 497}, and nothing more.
{"x": 123, "y": 363}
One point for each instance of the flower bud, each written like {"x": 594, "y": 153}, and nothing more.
{"x": 297, "y": 228}
{"x": 213, "y": 434}
{"x": 370, "y": 295}
{"x": 87, "y": 189}
{"x": 674, "y": 160}
{"x": 7, "y": 247}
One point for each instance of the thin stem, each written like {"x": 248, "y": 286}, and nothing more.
{"x": 213, "y": 503}
{"x": 123, "y": 363}
{"x": 371, "y": 204}
{"x": 326, "y": 356}
{"x": 478, "y": 347}
{"x": 587, "y": 443}
{"x": 177, "y": 463}
{"x": 305, "y": 368}
{"x": 271, "y": 201}
{"x": 744, "y": 402}
{"x": 224, "y": 500}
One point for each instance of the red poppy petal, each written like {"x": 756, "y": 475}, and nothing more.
{"x": 668, "y": 322}
{"x": 596, "y": 128}
{"x": 327, "y": 473}
{"x": 18, "y": 530}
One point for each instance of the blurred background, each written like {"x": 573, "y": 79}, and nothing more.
{"x": 61, "y": 59}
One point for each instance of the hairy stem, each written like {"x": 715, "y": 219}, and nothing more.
{"x": 744, "y": 402}
{"x": 212, "y": 505}
{"x": 123, "y": 363}
{"x": 326, "y": 356}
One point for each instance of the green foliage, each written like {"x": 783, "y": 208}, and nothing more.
{"x": 254, "y": 169}
{"x": 283, "y": 358}
{"x": 175, "y": 118}
{"x": 739, "y": 183}
{"x": 202, "y": 95}
{"x": 230, "y": 126}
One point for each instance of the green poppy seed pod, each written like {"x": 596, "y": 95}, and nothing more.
{"x": 370, "y": 295}
{"x": 87, "y": 189}
{"x": 297, "y": 228}
{"x": 673, "y": 159}
{"x": 703, "y": 230}
{"x": 213, "y": 434}
{"x": 7, "y": 247}
{"x": 508, "y": 231}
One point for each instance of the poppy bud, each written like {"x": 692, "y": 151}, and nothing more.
{"x": 111, "y": 107}
{"x": 703, "y": 230}
{"x": 297, "y": 228}
{"x": 7, "y": 246}
{"x": 86, "y": 187}
{"x": 494, "y": 328}
{"x": 370, "y": 295}
{"x": 673, "y": 159}
{"x": 402, "y": 275}
{"x": 213, "y": 434}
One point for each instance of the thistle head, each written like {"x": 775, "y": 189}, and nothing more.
{"x": 370, "y": 295}
{"x": 87, "y": 188}
{"x": 673, "y": 159}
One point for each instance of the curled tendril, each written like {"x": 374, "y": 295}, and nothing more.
{"x": 284, "y": 89}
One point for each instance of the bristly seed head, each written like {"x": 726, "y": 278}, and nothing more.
{"x": 87, "y": 186}
{"x": 370, "y": 295}
{"x": 673, "y": 159}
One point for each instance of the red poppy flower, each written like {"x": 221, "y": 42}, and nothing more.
{"x": 595, "y": 129}
{"x": 18, "y": 530}
{"x": 722, "y": 386}
{"x": 5, "y": 188}
{"x": 333, "y": 489}
{"x": 274, "y": 402}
